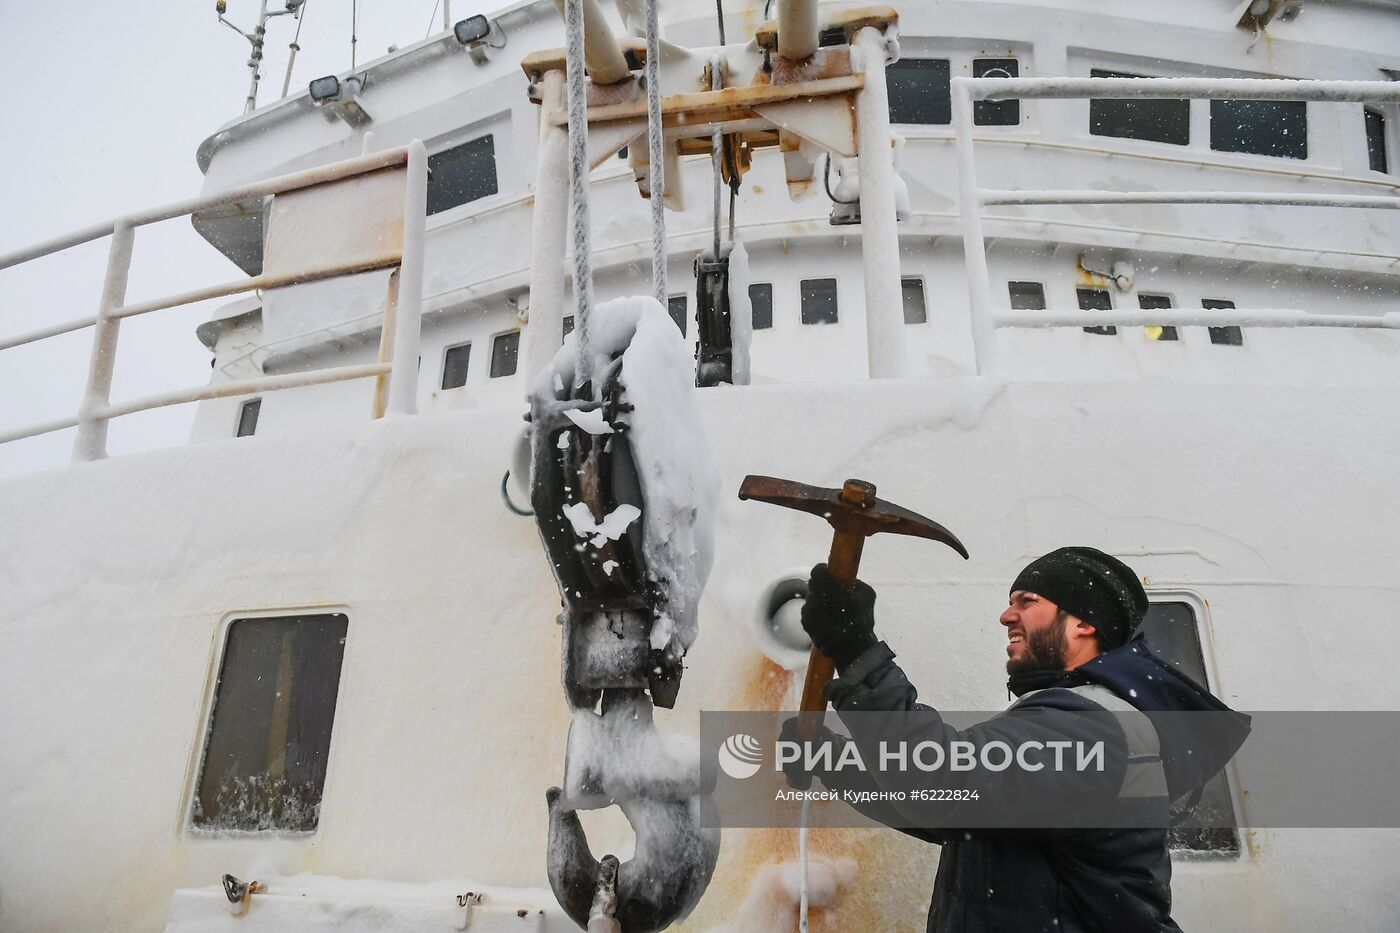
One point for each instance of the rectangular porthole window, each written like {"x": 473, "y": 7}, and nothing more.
{"x": 678, "y": 307}
{"x": 454, "y": 366}
{"x": 761, "y": 299}
{"x": 461, "y": 174}
{"x": 819, "y": 301}
{"x": 915, "y": 311}
{"x": 1228, "y": 336}
{"x": 996, "y": 112}
{"x": 1158, "y": 121}
{"x": 1376, "y": 155}
{"x": 920, "y": 91}
{"x": 248, "y": 418}
{"x": 568, "y": 325}
{"x": 505, "y": 354}
{"x": 1263, "y": 127}
{"x": 1026, "y": 296}
{"x": 1096, "y": 299}
{"x": 264, "y": 766}
{"x": 1156, "y": 303}
{"x": 1173, "y": 635}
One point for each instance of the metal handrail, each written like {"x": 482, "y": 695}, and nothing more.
{"x": 988, "y": 317}
{"x": 402, "y": 318}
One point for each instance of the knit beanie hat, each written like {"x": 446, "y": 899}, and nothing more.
{"x": 1096, "y": 587}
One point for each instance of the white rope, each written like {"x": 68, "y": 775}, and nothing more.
{"x": 656, "y": 167}
{"x": 578, "y": 178}
{"x": 803, "y": 895}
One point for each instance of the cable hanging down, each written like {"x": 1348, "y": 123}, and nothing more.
{"x": 656, "y": 168}
{"x": 578, "y": 179}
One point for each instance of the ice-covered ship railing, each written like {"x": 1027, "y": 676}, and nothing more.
{"x": 987, "y": 317}
{"x": 351, "y": 217}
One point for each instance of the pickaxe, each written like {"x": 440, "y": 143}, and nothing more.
{"x": 855, "y": 514}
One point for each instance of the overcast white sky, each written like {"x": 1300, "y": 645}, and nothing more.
{"x": 105, "y": 107}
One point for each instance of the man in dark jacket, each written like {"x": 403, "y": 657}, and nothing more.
{"x": 1081, "y": 673}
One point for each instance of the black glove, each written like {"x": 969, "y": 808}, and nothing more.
{"x": 840, "y": 621}
{"x": 798, "y": 777}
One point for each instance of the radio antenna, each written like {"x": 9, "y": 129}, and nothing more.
{"x": 256, "y": 38}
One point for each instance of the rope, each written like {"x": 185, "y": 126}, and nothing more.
{"x": 578, "y": 178}
{"x": 717, "y": 154}
{"x": 719, "y": 15}
{"x": 803, "y": 895}
{"x": 656, "y": 167}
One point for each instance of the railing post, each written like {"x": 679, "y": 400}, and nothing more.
{"x": 91, "y": 442}
{"x": 549, "y": 221}
{"x": 879, "y": 237}
{"x": 408, "y": 319}
{"x": 979, "y": 285}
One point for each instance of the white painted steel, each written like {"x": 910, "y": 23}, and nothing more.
{"x": 403, "y": 391}
{"x": 91, "y": 442}
{"x": 798, "y": 28}
{"x": 34, "y": 430}
{"x": 247, "y": 387}
{"x": 1194, "y": 317}
{"x": 979, "y": 289}
{"x": 1194, "y": 88}
{"x": 879, "y": 249}
{"x": 1093, "y": 196}
{"x": 548, "y": 229}
{"x": 601, "y": 52}
{"x": 44, "y": 333}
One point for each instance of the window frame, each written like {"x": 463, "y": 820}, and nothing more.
{"x": 465, "y": 376}
{"x": 491, "y": 362}
{"x": 205, "y": 722}
{"x": 1165, "y": 328}
{"x": 908, "y": 63}
{"x": 1010, "y": 297}
{"x": 802, "y": 300}
{"x": 243, "y": 406}
{"x": 1205, "y": 637}
{"x": 1385, "y": 115}
{"x": 905, "y": 280}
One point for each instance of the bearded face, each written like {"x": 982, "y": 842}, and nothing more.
{"x": 1044, "y": 647}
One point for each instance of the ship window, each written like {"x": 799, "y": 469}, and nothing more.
{"x": 454, "y": 366}
{"x": 1026, "y": 296}
{"x": 996, "y": 112}
{"x": 1158, "y": 121}
{"x": 920, "y": 91}
{"x": 505, "y": 353}
{"x": 818, "y": 301}
{"x": 1228, "y": 336}
{"x": 677, "y": 306}
{"x": 568, "y": 325}
{"x": 1173, "y": 635}
{"x": 1264, "y": 127}
{"x": 248, "y": 418}
{"x": 1096, "y": 299}
{"x": 269, "y": 738}
{"x": 761, "y": 299}
{"x": 915, "y": 311}
{"x": 461, "y": 174}
{"x": 1157, "y": 303}
{"x": 1375, "y": 141}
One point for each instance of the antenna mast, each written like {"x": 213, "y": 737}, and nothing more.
{"x": 255, "y": 38}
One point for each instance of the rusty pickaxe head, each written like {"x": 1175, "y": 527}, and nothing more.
{"x": 852, "y": 509}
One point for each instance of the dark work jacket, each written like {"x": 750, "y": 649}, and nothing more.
{"x": 1010, "y": 880}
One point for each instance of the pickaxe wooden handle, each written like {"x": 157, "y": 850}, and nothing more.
{"x": 854, "y": 514}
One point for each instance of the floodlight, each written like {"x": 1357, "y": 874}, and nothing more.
{"x": 473, "y": 29}
{"x": 324, "y": 89}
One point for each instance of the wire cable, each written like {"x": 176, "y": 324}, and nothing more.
{"x": 432, "y": 18}
{"x": 354, "y": 30}
{"x": 656, "y": 169}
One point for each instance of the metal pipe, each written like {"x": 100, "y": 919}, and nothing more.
{"x": 797, "y": 29}
{"x": 1194, "y": 88}
{"x": 879, "y": 237}
{"x": 601, "y": 52}
{"x": 34, "y": 430}
{"x": 43, "y": 333}
{"x": 245, "y": 387}
{"x": 979, "y": 286}
{"x": 1195, "y": 317}
{"x": 548, "y": 225}
{"x": 408, "y": 323}
{"x": 255, "y": 58}
{"x": 91, "y": 442}
{"x": 1090, "y": 196}
{"x": 278, "y": 185}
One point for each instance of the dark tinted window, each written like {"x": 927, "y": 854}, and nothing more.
{"x": 996, "y": 112}
{"x": 1229, "y": 336}
{"x": 248, "y": 418}
{"x": 461, "y": 174}
{"x": 915, "y": 311}
{"x": 1375, "y": 141}
{"x": 454, "y": 366}
{"x": 568, "y": 325}
{"x": 1158, "y": 121}
{"x": 1026, "y": 296}
{"x": 761, "y": 298}
{"x": 1155, "y": 303}
{"x": 677, "y": 307}
{"x": 818, "y": 301}
{"x": 919, "y": 91}
{"x": 1172, "y": 634}
{"x": 1263, "y": 127}
{"x": 264, "y": 765}
{"x": 1096, "y": 299}
{"x": 505, "y": 352}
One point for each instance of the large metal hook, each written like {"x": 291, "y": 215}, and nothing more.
{"x": 618, "y": 758}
